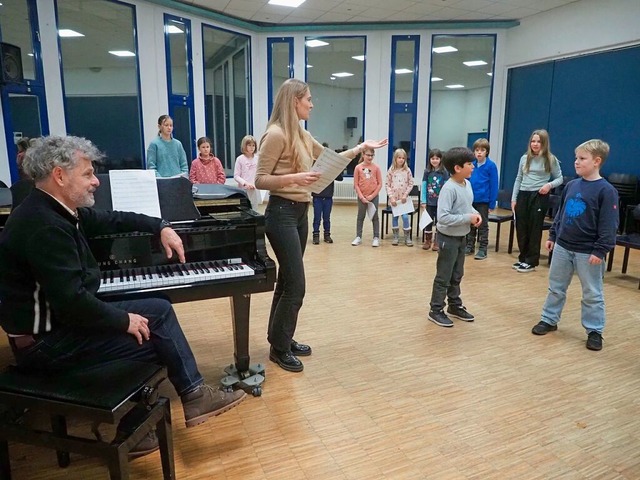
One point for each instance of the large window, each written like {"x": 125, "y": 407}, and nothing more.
{"x": 461, "y": 85}
{"x": 100, "y": 78}
{"x": 280, "y": 64}
{"x": 227, "y": 92}
{"x": 335, "y": 74}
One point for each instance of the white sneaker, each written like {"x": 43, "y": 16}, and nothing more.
{"x": 356, "y": 241}
{"x": 376, "y": 242}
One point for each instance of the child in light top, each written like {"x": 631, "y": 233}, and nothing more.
{"x": 399, "y": 183}
{"x": 207, "y": 168}
{"x": 435, "y": 176}
{"x": 165, "y": 154}
{"x": 244, "y": 172}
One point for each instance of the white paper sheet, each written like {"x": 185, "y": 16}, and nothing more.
{"x": 425, "y": 220}
{"x": 135, "y": 191}
{"x": 371, "y": 210}
{"x": 256, "y": 197}
{"x": 330, "y": 165}
{"x": 402, "y": 208}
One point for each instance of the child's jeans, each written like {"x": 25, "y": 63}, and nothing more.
{"x": 449, "y": 272}
{"x": 405, "y": 221}
{"x": 362, "y": 212}
{"x": 322, "y": 211}
{"x": 564, "y": 264}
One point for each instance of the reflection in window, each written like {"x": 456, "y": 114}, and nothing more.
{"x": 227, "y": 92}
{"x": 461, "y": 85}
{"x": 177, "y": 31}
{"x": 335, "y": 74}
{"x": 100, "y": 77}
{"x": 280, "y": 61}
{"x": 16, "y": 30}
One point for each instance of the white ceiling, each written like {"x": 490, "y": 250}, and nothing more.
{"x": 368, "y": 11}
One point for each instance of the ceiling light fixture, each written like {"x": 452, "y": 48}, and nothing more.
{"x": 309, "y": 66}
{"x": 490, "y": 74}
{"x": 68, "y": 33}
{"x": 315, "y": 43}
{"x": 447, "y": 49}
{"x": 402, "y": 71}
{"x": 436, "y": 79}
{"x": 122, "y": 53}
{"x": 342, "y": 74}
{"x": 475, "y": 63}
{"x": 457, "y": 85}
{"x": 360, "y": 58}
{"x": 287, "y": 3}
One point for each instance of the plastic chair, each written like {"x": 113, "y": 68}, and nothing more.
{"x": 414, "y": 194}
{"x": 499, "y": 217}
{"x": 630, "y": 238}
{"x": 627, "y": 187}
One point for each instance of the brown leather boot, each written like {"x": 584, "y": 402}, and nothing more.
{"x": 434, "y": 244}
{"x": 427, "y": 241}
{"x": 206, "y": 401}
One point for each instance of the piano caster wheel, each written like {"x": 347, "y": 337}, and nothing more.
{"x": 256, "y": 391}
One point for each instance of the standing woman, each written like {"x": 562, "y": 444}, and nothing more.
{"x": 287, "y": 152}
{"x": 165, "y": 154}
{"x": 538, "y": 173}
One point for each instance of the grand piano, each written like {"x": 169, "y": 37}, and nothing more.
{"x": 225, "y": 257}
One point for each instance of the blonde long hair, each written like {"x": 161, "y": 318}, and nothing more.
{"x": 545, "y": 151}
{"x": 284, "y": 115}
{"x": 396, "y": 154}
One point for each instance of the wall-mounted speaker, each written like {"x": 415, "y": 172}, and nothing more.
{"x": 352, "y": 122}
{"x": 11, "y": 64}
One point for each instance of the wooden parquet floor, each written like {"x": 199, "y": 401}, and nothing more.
{"x": 389, "y": 395}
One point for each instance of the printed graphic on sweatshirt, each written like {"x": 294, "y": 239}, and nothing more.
{"x": 434, "y": 185}
{"x": 575, "y": 207}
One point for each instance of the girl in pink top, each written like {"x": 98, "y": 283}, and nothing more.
{"x": 367, "y": 180}
{"x": 399, "y": 184}
{"x": 244, "y": 172}
{"x": 206, "y": 168}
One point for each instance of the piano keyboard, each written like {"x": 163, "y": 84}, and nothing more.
{"x": 171, "y": 275}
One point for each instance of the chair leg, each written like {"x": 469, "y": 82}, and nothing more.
{"x": 165, "y": 437}
{"x": 512, "y": 228}
{"x": 5, "y": 463}
{"x": 59, "y": 427}
{"x": 610, "y": 262}
{"x": 625, "y": 259}
{"x": 497, "y": 236}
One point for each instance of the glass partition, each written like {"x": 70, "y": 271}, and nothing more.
{"x": 335, "y": 69}
{"x": 280, "y": 64}
{"x": 100, "y": 78}
{"x": 227, "y": 91}
{"x": 461, "y": 86}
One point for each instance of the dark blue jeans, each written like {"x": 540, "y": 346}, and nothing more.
{"x": 449, "y": 272}
{"x": 322, "y": 211}
{"x": 287, "y": 228}
{"x": 68, "y": 346}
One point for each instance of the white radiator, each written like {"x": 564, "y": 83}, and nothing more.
{"x": 344, "y": 191}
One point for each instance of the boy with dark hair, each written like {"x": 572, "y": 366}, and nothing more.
{"x": 484, "y": 181}
{"x": 583, "y": 232}
{"x": 455, "y": 215}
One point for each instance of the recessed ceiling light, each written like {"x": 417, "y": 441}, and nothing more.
{"x": 315, "y": 43}
{"x": 436, "y": 79}
{"x": 174, "y": 29}
{"x": 490, "y": 74}
{"x": 287, "y": 3}
{"x": 360, "y": 58}
{"x": 401, "y": 71}
{"x": 475, "y": 63}
{"x": 457, "y": 85}
{"x": 122, "y": 53}
{"x": 28, "y": 54}
{"x": 309, "y": 66}
{"x": 68, "y": 33}
{"x": 332, "y": 78}
{"x": 447, "y": 49}
{"x": 342, "y": 74}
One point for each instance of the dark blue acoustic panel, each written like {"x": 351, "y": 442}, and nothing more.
{"x": 527, "y": 109}
{"x": 598, "y": 96}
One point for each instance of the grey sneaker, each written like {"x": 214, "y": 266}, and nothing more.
{"x": 460, "y": 313}
{"x": 542, "y": 328}
{"x": 481, "y": 255}
{"x": 439, "y": 318}
{"x": 594, "y": 341}
{"x": 206, "y": 401}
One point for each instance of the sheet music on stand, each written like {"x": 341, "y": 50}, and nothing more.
{"x": 330, "y": 165}
{"x": 135, "y": 191}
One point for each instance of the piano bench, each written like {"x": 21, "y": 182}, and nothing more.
{"x": 120, "y": 392}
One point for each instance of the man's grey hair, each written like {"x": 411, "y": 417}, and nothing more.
{"x": 47, "y": 153}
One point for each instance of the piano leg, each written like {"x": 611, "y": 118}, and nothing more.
{"x": 240, "y": 306}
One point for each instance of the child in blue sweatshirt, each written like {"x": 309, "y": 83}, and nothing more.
{"x": 583, "y": 232}
{"x": 484, "y": 181}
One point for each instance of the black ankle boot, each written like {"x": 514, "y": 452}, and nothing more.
{"x": 316, "y": 238}
{"x": 287, "y": 360}
{"x": 327, "y": 238}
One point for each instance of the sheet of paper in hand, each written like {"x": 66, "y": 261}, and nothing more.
{"x": 329, "y": 164}
{"x": 402, "y": 208}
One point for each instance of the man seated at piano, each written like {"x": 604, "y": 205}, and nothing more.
{"x": 49, "y": 279}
